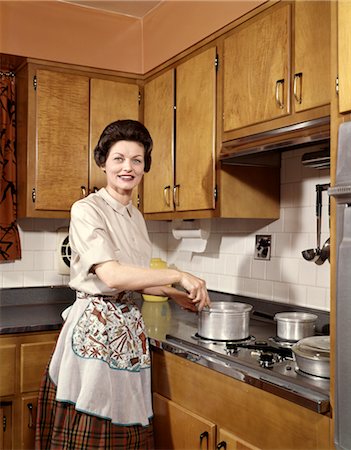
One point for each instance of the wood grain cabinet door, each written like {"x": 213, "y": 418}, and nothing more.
{"x": 311, "y": 80}
{"x": 195, "y": 132}
{"x": 29, "y": 404}
{"x": 109, "y": 101}
{"x": 62, "y": 139}
{"x": 256, "y": 70}
{"x": 179, "y": 429}
{"x": 159, "y": 120}
{"x": 7, "y": 370}
{"x": 344, "y": 55}
{"x": 228, "y": 441}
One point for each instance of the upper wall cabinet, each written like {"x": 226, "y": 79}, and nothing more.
{"x": 182, "y": 175}
{"x": 311, "y": 80}
{"x": 60, "y": 115}
{"x": 256, "y": 70}
{"x": 275, "y": 74}
{"x": 344, "y": 55}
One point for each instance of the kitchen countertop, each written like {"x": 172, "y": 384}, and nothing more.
{"x": 172, "y": 329}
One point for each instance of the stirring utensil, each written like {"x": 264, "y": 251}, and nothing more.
{"x": 312, "y": 254}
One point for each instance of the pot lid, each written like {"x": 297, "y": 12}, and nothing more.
{"x": 296, "y": 317}
{"x": 228, "y": 307}
{"x": 313, "y": 347}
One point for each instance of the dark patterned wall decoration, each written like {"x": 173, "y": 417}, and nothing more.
{"x": 10, "y": 248}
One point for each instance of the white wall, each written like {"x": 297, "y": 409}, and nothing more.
{"x": 227, "y": 263}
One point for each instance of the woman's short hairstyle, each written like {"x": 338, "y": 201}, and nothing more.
{"x": 123, "y": 130}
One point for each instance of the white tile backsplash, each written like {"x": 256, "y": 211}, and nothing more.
{"x": 228, "y": 263}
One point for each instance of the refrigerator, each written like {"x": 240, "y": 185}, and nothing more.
{"x": 341, "y": 191}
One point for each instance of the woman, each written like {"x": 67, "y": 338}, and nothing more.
{"x": 96, "y": 393}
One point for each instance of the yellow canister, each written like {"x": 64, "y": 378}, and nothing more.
{"x": 156, "y": 263}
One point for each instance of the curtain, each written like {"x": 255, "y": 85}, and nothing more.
{"x": 10, "y": 248}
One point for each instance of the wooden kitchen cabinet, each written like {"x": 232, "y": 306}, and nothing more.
{"x": 61, "y": 113}
{"x": 344, "y": 55}
{"x": 179, "y": 429}
{"x": 245, "y": 417}
{"x": 28, "y": 358}
{"x": 311, "y": 79}
{"x": 256, "y": 70}
{"x": 228, "y": 441}
{"x": 182, "y": 175}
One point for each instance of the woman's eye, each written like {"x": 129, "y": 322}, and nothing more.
{"x": 137, "y": 161}
{"x": 118, "y": 159}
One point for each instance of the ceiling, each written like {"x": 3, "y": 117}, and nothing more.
{"x": 133, "y": 8}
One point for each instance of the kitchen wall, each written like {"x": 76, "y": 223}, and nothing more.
{"x": 227, "y": 264}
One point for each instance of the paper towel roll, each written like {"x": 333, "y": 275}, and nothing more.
{"x": 190, "y": 234}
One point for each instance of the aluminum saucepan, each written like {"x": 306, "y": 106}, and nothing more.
{"x": 225, "y": 321}
{"x": 312, "y": 355}
{"x": 293, "y": 326}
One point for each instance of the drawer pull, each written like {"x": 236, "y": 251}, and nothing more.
{"x": 30, "y": 417}
{"x": 203, "y": 436}
{"x": 222, "y": 444}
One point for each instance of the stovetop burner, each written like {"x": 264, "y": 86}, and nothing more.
{"x": 222, "y": 341}
{"x": 281, "y": 342}
{"x": 310, "y": 376}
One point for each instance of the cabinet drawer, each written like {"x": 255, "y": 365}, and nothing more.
{"x": 34, "y": 358}
{"x": 8, "y": 369}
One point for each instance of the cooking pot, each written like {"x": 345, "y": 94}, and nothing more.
{"x": 312, "y": 355}
{"x": 225, "y": 321}
{"x": 293, "y": 326}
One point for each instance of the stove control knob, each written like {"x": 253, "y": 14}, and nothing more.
{"x": 266, "y": 360}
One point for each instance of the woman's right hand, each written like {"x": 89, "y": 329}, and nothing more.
{"x": 196, "y": 288}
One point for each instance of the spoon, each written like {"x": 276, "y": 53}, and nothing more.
{"x": 324, "y": 253}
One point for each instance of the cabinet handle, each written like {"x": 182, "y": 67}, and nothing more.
{"x": 298, "y": 76}
{"x": 83, "y": 191}
{"x": 95, "y": 189}
{"x": 176, "y": 195}
{"x": 222, "y": 444}
{"x": 30, "y": 416}
{"x": 166, "y": 195}
{"x": 279, "y": 100}
{"x": 203, "y": 436}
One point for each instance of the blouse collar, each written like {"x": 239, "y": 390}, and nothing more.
{"x": 115, "y": 204}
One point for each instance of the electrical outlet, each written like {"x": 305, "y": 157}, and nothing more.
{"x": 263, "y": 246}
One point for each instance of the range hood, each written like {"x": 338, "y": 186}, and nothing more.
{"x": 264, "y": 149}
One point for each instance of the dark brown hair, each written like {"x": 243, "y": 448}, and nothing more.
{"x": 123, "y": 130}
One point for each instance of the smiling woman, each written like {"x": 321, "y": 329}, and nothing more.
{"x": 10, "y": 249}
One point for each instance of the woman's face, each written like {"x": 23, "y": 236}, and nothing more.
{"x": 124, "y": 168}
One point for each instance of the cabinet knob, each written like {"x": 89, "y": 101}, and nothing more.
{"x": 222, "y": 444}
{"x": 203, "y": 436}
{"x": 298, "y": 97}
{"x": 83, "y": 191}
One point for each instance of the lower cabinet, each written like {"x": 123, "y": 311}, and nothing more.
{"x": 179, "y": 429}
{"x": 199, "y": 408}
{"x": 24, "y": 358}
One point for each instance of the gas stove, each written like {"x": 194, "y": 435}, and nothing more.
{"x": 262, "y": 360}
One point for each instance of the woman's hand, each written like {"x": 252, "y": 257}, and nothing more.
{"x": 196, "y": 288}
{"x": 182, "y": 299}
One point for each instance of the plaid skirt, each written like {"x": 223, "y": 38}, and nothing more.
{"x": 61, "y": 427}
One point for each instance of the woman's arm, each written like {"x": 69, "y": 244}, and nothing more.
{"x": 178, "y": 296}
{"x": 124, "y": 277}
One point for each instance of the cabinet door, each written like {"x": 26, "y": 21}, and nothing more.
{"x": 179, "y": 429}
{"x": 109, "y": 101}
{"x": 5, "y": 426}
{"x": 159, "y": 120}
{"x": 195, "y": 132}
{"x": 34, "y": 358}
{"x": 29, "y": 406}
{"x": 228, "y": 441}
{"x": 311, "y": 84}
{"x": 256, "y": 70}
{"x": 62, "y": 139}
{"x": 8, "y": 369}
{"x": 344, "y": 55}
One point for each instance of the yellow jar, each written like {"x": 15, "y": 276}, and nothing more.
{"x": 156, "y": 263}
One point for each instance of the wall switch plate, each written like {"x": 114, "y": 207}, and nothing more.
{"x": 263, "y": 246}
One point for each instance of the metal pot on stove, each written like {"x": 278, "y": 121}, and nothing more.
{"x": 225, "y": 321}
{"x": 293, "y": 326}
{"x": 312, "y": 356}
